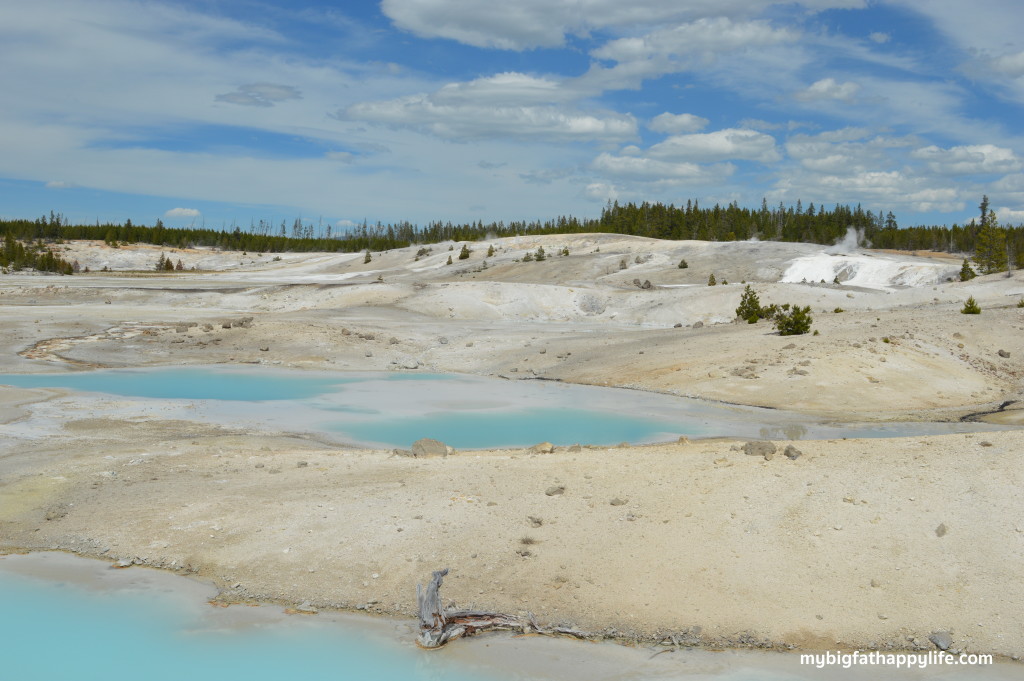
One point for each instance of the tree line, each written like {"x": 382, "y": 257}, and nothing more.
{"x": 813, "y": 224}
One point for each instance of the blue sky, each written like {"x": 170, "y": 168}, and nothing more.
{"x": 221, "y": 111}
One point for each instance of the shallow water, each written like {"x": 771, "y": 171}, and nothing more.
{"x": 397, "y": 408}
{"x": 68, "y": 618}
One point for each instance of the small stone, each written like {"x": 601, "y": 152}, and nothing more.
{"x": 792, "y": 453}
{"x": 302, "y": 464}
{"x": 763, "y": 448}
{"x": 677, "y": 325}
{"x": 442, "y": 340}
{"x": 429, "y": 447}
{"x": 789, "y": 347}
{"x": 402, "y": 452}
{"x": 698, "y": 325}
{"x": 1004, "y": 353}
{"x": 555, "y": 490}
{"x": 259, "y": 465}
{"x": 534, "y": 521}
{"x": 984, "y": 443}
{"x": 618, "y": 502}
{"x": 393, "y": 341}
{"x": 264, "y": 348}
{"x": 940, "y": 531}
{"x": 875, "y": 584}
{"x": 368, "y": 353}
{"x": 941, "y": 639}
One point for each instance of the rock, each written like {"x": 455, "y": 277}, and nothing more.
{"x": 302, "y": 464}
{"x": 260, "y": 465}
{"x": 402, "y": 452}
{"x": 393, "y": 341}
{"x": 442, "y": 340}
{"x": 792, "y": 452}
{"x": 1004, "y": 353}
{"x": 698, "y": 325}
{"x": 555, "y": 490}
{"x": 940, "y": 531}
{"x": 264, "y": 348}
{"x": 226, "y": 324}
{"x": 207, "y": 327}
{"x": 244, "y": 322}
{"x": 942, "y": 639}
{"x": 875, "y": 583}
{"x": 677, "y": 325}
{"x": 789, "y": 347}
{"x": 56, "y": 512}
{"x": 543, "y": 448}
{"x": 181, "y": 328}
{"x": 305, "y": 608}
{"x": 646, "y": 285}
{"x": 429, "y": 447}
{"x": 760, "y": 448}
{"x": 636, "y": 282}
{"x": 574, "y": 449}
{"x": 368, "y": 353}
{"x": 469, "y": 344}
{"x": 683, "y": 440}
{"x": 534, "y": 521}
{"x": 345, "y": 332}
{"x": 618, "y": 502}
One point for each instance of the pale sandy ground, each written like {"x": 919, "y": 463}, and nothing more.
{"x": 837, "y": 548}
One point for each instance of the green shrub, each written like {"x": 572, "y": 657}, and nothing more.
{"x": 490, "y": 250}
{"x": 565, "y": 250}
{"x": 971, "y": 307}
{"x": 793, "y": 321}
{"x": 711, "y": 280}
{"x": 449, "y": 260}
{"x": 367, "y": 258}
{"x": 464, "y": 253}
{"x": 1020, "y": 303}
{"x": 528, "y": 257}
{"x": 540, "y": 255}
{"x": 839, "y": 310}
{"x": 750, "y": 306}
{"x": 966, "y": 273}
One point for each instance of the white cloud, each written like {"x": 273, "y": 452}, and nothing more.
{"x": 720, "y": 145}
{"x": 601, "y": 191}
{"x": 828, "y": 88}
{"x": 346, "y": 224}
{"x": 60, "y": 184}
{"x": 677, "y": 123}
{"x": 526, "y": 24}
{"x": 484, "y": 119}
{"x": 182, "y": 213}
{"x": 1011, "y": 65}
{"x": 879, "y": 37}
{"x": 632, "y": 167}
{"x": 1009, "y": 216}
{"x": 969, "y": 159}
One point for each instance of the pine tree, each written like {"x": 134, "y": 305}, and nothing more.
{"x": 971, "y": 307}
{"x": 160, "y": 263}
{"x": 449, "y": 260}
{"x": 793, "y": 321}
{"x": 750, "y": 306}
{"x": 990, "y": 244}
{"x": 540, "y": 254}
{"x": 490, "y": 250}
{"x": 368, "y": 258}
{"x": 966, "y": 273}
{"x": 711, "y": 280}
{"x": 464, "y": 253}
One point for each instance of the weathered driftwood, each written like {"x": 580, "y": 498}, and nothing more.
{"x": 439, "y": 626}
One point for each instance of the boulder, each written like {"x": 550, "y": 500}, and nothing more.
{"x": 792, "y": 452}
{"x": 942, "y": 639}
{"x": 543, "y": 448}
{"x": 429, "y": 447}
{"x": 763, "y": 448}
{"x": 555, "y": 490}
{"x": 1004, "y": 354}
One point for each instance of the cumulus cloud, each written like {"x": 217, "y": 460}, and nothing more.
{"x": 879, "y": 37}
{"x": 601, "y": 191}
{"x": 1011, "y": 65}
{"x": 720, "y": 145}
{"x": 674, "y": 124}
{"x": 182, "y": 213}
{"x": 1010, "y": 216}
{"x": 969, "y": 159}
{"x": 638, "y": 168}
{"x": 828, "y": 88}
{"x": 484, "y": 119}
{"x": 846, "y": 151}
{"x": 260, "y": 94}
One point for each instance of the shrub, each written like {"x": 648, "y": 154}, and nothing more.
{"x": 711, "y": 280}
{"x": 449, "y": 260}
{"x": 540, "y": 255}
{"x": 966, "y": 273}
{"x": 565, "y": 250}
{"x": 793, "y": 321}
{"x": 490, "y": 250}
{"x": 683, "y": 264}
{"x": 367, "y": 258}
{"x": 528, "y": 257}
{"x": 750, "y": 306}
{"x": 1020, "y": 303}
{"x": 838, "y": 310}
{"x": 971, "y": 307}
{"x": 464, "y": 253}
